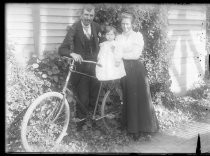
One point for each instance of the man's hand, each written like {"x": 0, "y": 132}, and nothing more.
{"x": 76, "y": 57}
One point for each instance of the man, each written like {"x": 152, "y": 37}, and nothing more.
{"x": 82, "y": 42}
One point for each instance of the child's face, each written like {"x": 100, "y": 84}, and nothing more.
{"x": 110, "y": 35}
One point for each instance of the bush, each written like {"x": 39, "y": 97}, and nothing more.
{"x": 199, "y": 91}
{"x": 22, "y": 86}
{"x": 51, "y": 67}
{"x": 151, "y": 21}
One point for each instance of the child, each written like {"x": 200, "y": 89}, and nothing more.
{"x": 109, "y": 57}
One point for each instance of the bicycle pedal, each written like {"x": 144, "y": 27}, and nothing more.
{"x": 96, "y": 117}
{"x": 78, "y": 120}
{"x": 110, "y": 116}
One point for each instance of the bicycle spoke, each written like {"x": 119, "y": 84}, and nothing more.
{"x": 47, "y": 119}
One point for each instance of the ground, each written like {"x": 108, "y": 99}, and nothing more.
{"x": 182, "y": 139}
{"x": 179, "y": 138}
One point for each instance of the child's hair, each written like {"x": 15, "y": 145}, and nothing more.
{"x": 110, "y": 28}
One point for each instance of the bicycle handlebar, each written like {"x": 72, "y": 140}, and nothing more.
{"x": 85, "y": 61}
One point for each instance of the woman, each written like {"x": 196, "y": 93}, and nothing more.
{"x": 138, "y": 112}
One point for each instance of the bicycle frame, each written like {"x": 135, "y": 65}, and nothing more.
{"x": 71, "y": 69}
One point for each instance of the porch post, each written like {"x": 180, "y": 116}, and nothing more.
{"x": 208, "y": 41}
{"x": 36, "y": 29}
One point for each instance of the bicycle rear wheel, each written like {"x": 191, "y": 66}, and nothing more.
{"x": 42, "y": 128}
{"x": 111, "y": 110}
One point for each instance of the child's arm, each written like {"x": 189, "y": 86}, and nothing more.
{"x": 101, "y": 50}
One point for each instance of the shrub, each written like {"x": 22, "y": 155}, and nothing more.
{"x": 198, "y": 91}
{"x": 22, "y": 86}
{"x": 51, "y": 67}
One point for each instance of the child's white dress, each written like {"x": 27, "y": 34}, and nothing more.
{"x": 107, "y": 57}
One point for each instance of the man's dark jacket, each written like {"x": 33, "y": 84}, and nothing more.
{"x": 76, "y": 41}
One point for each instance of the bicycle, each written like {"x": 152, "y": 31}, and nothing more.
{"x": 46, "y": 120}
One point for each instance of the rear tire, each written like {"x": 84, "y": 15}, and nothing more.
{"x": 111, "y": 110}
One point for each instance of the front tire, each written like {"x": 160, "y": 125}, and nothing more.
{"x": 40, "y": 129}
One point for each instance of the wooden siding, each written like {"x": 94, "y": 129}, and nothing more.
{"x": 51, "y": 23}
{"x": 54, "y": 19}
{"x": 19, "y": 29}
{"x": 186, "y": 31}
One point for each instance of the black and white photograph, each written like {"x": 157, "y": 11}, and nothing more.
{"x": 115, "y": 78}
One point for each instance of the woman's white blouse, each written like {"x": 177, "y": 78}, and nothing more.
{"x": 130, "y": 45}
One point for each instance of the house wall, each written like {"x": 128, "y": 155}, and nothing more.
{"x": 208, "y": 41}
{"x": 39, "y": 27}
{"x": 54, "y": 19}
{"x": 35, "y": 28}
{"x": 186, "y": 32}
{"x": 19, "y": 28}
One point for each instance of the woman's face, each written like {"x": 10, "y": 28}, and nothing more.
{"x": 126, "y": 24}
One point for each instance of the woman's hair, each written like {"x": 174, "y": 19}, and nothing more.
{"x": 128, "y": 14}
{"x": 110, "y": 28}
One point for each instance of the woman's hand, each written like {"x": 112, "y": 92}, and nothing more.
{"x": 112, "y": 48}
{"x": 117, "y": 63}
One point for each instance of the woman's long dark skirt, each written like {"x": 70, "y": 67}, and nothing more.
{"x": 138, "y": 111}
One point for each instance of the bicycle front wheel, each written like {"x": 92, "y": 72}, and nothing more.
{"x": 45, "y": 123}
{"x": 111, "y": 110}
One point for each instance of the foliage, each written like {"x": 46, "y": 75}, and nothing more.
{"x": 22, "y": 88}
{"x": 93, "y": 139}
{"x": 51, "y": 67}
{"x": 108, "y": 15}
{"x": 151, "y": 21}
{"x": 199, "y": 91}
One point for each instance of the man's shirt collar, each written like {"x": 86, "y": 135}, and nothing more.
{"x": 85, "y": 26}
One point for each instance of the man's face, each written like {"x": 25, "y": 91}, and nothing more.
{"x": 87, "y": 17}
